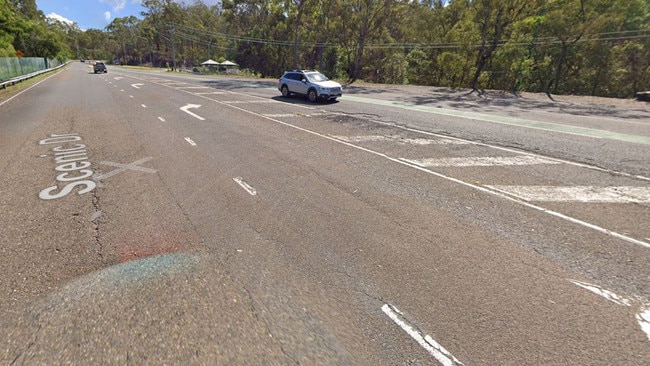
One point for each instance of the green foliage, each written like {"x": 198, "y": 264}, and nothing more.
{"x": 594, "y": 47}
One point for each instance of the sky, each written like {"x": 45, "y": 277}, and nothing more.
{"x": 88, "y": 14}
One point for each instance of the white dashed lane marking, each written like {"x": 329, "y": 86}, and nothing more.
{"x": 245, "y": 185}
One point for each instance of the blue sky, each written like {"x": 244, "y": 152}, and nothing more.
{"x": 90, "y": 13}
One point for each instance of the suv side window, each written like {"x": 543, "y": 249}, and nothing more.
{"x": 294, "y": 76}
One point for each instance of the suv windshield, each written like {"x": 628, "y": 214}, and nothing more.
{"x": 316, "y": 77}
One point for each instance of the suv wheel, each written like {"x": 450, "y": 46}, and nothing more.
{"x": 311, "y": 94}
{"x": 285, "y": 91}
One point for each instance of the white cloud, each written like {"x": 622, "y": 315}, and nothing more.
{"x": 107, "y": 15}
{"x": 59, "y": 18}
{"x": 117, "y": 5}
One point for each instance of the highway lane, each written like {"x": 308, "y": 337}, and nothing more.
{"x": 257, "y": 230}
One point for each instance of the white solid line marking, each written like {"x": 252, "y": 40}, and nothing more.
{"x": 24, "y": 90}
{"x": 161, "y": 119}
{"x": 245, "y": 185}
{"x": 436, "y": 350}
{"x": 481, "y": 161}
{"x": 587, "y": 194}
{"x": 189, "y": 140}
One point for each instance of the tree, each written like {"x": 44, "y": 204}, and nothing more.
{"x": 493, "y": 19}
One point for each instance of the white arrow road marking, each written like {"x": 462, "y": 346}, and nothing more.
{"x": 436, "y": 350}
{"x": 190, "y": 141}
{"x": 245, "y": 185}
{"x": 186, "y": 107}
{"x": 137, "y": 85}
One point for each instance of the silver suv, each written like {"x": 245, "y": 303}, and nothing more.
{"x": 313, "y": 84}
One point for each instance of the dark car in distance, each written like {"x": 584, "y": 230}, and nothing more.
{"x": 99, "y": 67}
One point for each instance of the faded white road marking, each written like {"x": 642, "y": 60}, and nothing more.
{"x": 143, "y": 105}
{"x": 188, "y": 106}
{"x": 482, "y": 161}
{"x": 436, "y": 350}
{"x": 578, "y": 194}
{"x": 245, "y": 185}
{"x": 280, "y": 115}
{"x": 642, "y": 317}
{"x": 190, "y": 141}
{"x": 247, "y": 101}
{"x": 137, "y": 85}
{"x": 211, "y": 93}
{"x": 161, "y": 119}
{"x": 123, "y": 167}
{"x": 411, "y": 141}
{"x": 602, "y": 292}
{"x": 194, "y": 87}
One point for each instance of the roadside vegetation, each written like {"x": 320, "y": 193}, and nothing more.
{"x": 580, "y": 47}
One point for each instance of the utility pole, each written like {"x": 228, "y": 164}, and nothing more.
{"x": 173, "y": 51}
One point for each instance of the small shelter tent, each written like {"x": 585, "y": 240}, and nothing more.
{"x": 228, "y": 67}
{"x": 209, "y": 62}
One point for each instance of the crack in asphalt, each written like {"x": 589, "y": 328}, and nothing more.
{"x": 95, "y": 219}
{"x": 29, "y": 346}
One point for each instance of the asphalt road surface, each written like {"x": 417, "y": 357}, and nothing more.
{"x": 158, "y": 218}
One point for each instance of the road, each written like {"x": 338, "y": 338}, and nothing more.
{"x": 163, "y": 218}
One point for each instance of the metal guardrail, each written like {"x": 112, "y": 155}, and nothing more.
{"x": 18, "y": 79}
